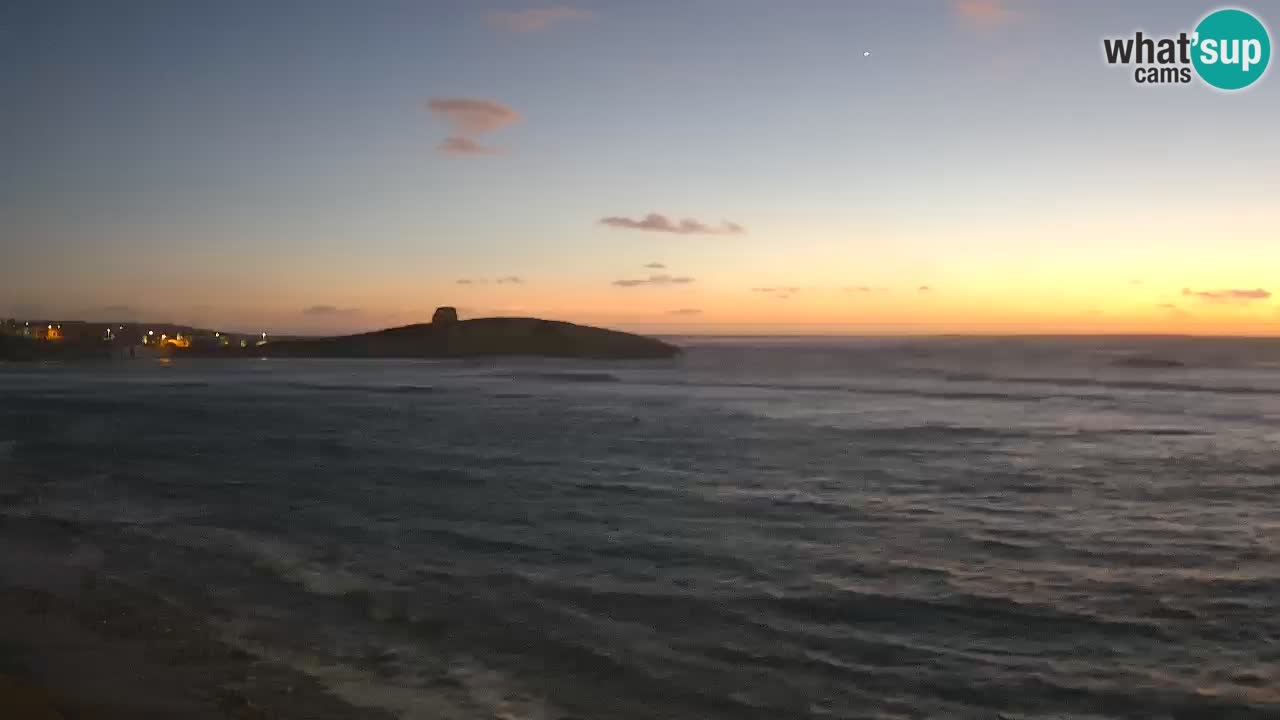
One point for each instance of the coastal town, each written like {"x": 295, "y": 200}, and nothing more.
{"x": 117, "y": 339}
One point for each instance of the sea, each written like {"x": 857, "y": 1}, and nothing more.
{"x": 772, "y": 528}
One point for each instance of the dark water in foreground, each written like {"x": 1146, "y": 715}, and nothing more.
{"x": 869, "y": 528}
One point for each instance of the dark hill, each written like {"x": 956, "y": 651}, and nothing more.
{"x": 485, "y": 336}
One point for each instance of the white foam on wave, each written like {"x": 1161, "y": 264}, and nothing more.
{"x": 493, "y": 690}
{"x": 482, "y": 691}
{"x": 290, "y": 563}
{"x": 474, "y": 691}
{"x": 400, "y": 696}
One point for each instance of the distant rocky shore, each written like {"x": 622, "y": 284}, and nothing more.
{"x": 444, "y": 336}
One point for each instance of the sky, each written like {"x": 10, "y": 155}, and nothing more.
{"x": 701, "y": 166}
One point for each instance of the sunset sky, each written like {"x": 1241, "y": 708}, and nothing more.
{"x": 735, "y": 166}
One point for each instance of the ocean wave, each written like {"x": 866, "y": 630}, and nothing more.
{"x": 170, "y": 384}
{"x": 1148, "y": 362}
{"x": 1154, "y": 431}
{"x": 622, "y": 487}
{"x": 371, "y": 388}
{"x": 1124, "y": 696}
{"x": 1104, "y": 384}
{"x": 466, "y": 695}
{"x": 789, "y": 500}
{"x": 463, "y": 540}
{"x": 407, "y": 389}
{"x": 322, "y": 445}
{"x": 941, "y": 431}
{"x": 564, "y": 376}
{"x": 992, "y": 614}
{"x": 287, "y": 562}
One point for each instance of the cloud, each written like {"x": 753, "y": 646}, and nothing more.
{"x": 685, "y": 311}
{"x": 653, "y": 222}
{"x": 1174, "y": 310}
{"x": 469, "y": 118}
{"x": 458, "y": 145}
{"x": 654, "y": 280}
{"x": 1227, "y": 295}
{"x": 329, "y": 310}
{"x": 864, "y": 289}
{"x": 781, "y": 293}
{"x": 504, "y": 280}
{"x": 535, "y": 19}
{"x": 924, "y": 289}
{"x": 985, "y": 14}
{"x": 656, "y": 266}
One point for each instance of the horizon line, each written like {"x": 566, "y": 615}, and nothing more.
{"x": 782, "y": 333}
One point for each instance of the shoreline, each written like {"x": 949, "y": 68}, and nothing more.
{"x": 75, "y": 645}
{"x": 114, "y": 655}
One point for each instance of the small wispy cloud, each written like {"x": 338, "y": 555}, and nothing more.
{"x": 654, "y": 280}
{"x": 655, "y": 222}
{"x": 656, "y": 266}
{"x": 864, "y": 289}
{"x": 1174, "y": 310}
{"x": 1232, "y": 295}
{"x": 329, "y": 310}
{"x": 469, "y": 118}
{"x": 780, "y": 293}
{"x": 986, "y": 14}
{"x": 924, "y": 289}
{"x": 535, "y": 19}
{"x": 685, "y": 311}
{"x": 504, "y": 280}
{"x": 458, "y": 145}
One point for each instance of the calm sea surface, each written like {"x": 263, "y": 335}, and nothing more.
{"x": 759, "y": 529}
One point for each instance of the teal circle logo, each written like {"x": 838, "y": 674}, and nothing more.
{"x": 1231, "y": 49}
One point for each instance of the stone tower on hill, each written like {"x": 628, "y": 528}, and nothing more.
{"x": 444, "y": 316}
